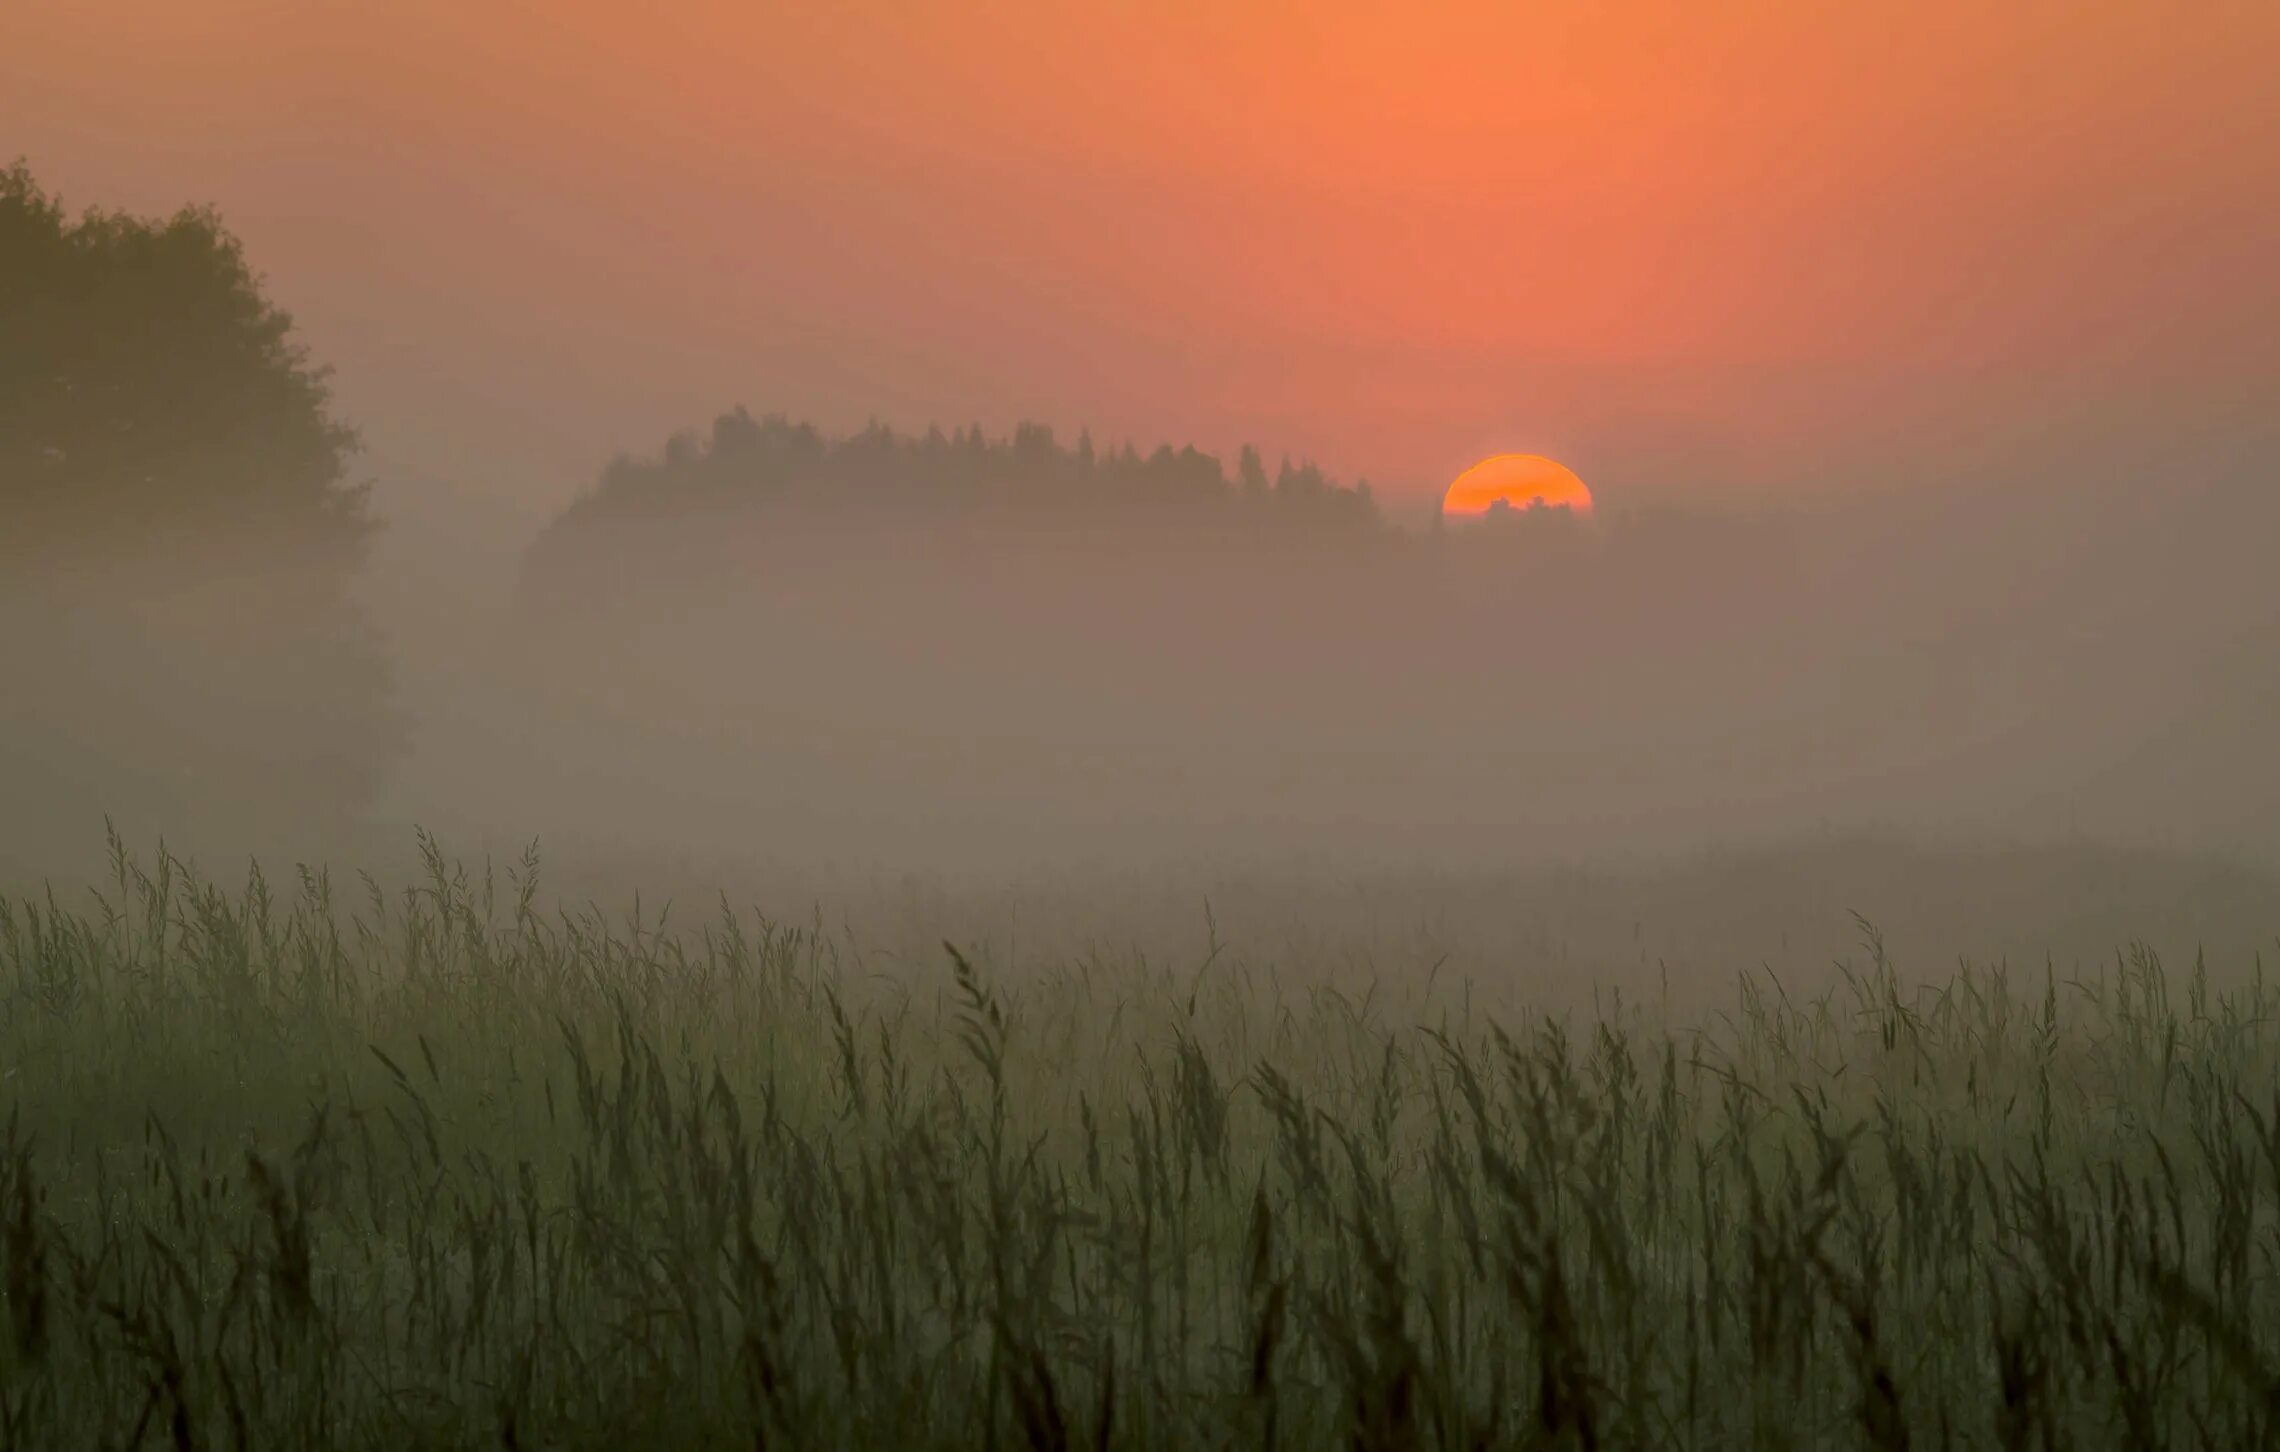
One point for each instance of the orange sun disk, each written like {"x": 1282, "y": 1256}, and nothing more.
{"x": 1523, "y": 481}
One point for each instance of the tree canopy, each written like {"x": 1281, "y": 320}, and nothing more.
{"x": 146, "y": 383}
{"x": 1013, "y": 485}
{"x": 178, "y": 524}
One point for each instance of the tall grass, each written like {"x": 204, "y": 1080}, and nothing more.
{"x": 439, "y": 1167}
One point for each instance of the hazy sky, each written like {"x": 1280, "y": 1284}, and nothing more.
{"x": 1671, "y": 243}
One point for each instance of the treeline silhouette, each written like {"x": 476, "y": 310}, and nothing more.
{"x": 1077, "y": 590}
{"x": 744, "y": 458}
{"x": 958, "y": 486}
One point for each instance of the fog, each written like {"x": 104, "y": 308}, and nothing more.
{"x": 1065, "y": 697}
{"x": 994, "y": 695}
{"x": 2006, "y": 669}
{"x": 949, "y": 673}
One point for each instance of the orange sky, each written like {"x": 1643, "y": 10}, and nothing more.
{"x": 1677, "y": 245}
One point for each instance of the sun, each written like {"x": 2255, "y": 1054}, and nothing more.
{"x": 1518, "y": 481}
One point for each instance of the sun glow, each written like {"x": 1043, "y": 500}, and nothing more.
{"x": 1518, "y": 481}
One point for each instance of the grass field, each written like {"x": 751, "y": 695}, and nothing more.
{"x": 309, "y": 1163}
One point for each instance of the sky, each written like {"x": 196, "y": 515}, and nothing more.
{"x": 1700, "y": 250}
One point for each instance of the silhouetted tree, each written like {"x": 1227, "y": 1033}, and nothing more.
{"x": 1251, "y": 473}
{"x": 145, "y": 381}
{"x": 175, "y": 498}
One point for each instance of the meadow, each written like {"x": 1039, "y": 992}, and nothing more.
{"x": 306, "y": 1162}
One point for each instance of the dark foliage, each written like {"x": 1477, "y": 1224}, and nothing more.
{"x": 791, "y": 476}
{"x": 178, "y": 527}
